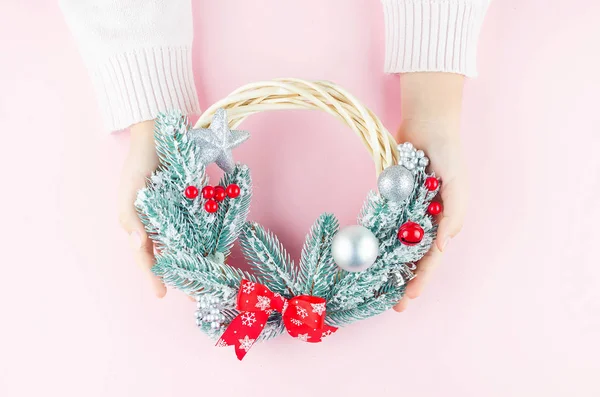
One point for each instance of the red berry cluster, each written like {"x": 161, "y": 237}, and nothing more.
{"x": 412, "y": 233}
{"x": 213, "y": 195}
{"x": 435, "y": 208}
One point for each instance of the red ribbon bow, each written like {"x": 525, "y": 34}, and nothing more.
{"x": 303, "y": 317}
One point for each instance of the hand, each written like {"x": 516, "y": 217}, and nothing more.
{"x": 431, "y": 115}
{"x": 141, "y": 161}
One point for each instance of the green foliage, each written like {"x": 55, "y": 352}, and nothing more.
{"x": 270, "y": 261}
{"x": 383, "y": 218}
{"x": 366, "y": 309}
{"x": 232, "y": 213}
{"x": 197, "y": 275}
{"x": 317, "y": 269}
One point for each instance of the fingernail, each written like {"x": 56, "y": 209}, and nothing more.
{"x": 445, "y": 244}
{"x": 135, "y": 240}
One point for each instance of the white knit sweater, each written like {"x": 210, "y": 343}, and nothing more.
{"x": 139, "y": 56}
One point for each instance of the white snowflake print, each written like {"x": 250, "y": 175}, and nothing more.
{"x": 285, "y": 306}
{"x": 263, "y": 303}
{"x": 318, "y": 308}
{"x": 301, "y": 311}
{"x": 248, "y": 319}
{"x": 248, "y": 287}
{"x": 303, "y": 337}
{"x": 246, "y": 343}
{"x": 296, "y": 322}
{"x": 222, "y": 343}
{"x": 326, "y": 334}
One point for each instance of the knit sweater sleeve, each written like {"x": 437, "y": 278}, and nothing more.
{"x": 138, "y": 53}
{"x": 432, "y": 35}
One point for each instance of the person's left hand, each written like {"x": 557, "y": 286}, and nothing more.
{"x": 444, "y": 151}
{"x": 431, "y": 114}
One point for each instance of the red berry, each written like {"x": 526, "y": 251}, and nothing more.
{"x": 208, "y": 192}
{"x": 233, "y": 190}
{"x": 211, "y": 206}
{"x": 434, "y": 208}
{"x": 219, "y": 193}
{"x": 410, "y": 233}
{"x": 431, "y": 183}
{"x": 191, "y": 192}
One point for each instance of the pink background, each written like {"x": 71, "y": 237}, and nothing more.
{"x": 513, "y": 311}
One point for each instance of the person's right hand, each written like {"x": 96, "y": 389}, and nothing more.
{"x": 141, "y": 161}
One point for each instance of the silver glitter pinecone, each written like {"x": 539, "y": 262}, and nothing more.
{"x": 411, "y": 158}
{"x": 354, "y": 248}
{"x": 396, "y": 183}
{"x": 209, "y": 312}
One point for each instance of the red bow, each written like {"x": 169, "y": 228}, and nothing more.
{"x": 303, "y": 317}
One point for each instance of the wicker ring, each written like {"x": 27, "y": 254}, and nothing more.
{"x": 286, "y": 94}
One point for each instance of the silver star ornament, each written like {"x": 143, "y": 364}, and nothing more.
{"x": 215, "y": 142}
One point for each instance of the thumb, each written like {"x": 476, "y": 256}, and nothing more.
{"x": 143, "y": 249}
{"x": 454, "y": 206}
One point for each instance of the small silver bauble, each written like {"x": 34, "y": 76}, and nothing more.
{"x": 354, "y": 248}
{"x": 396, "y": 183}
{"x": 214, "y": 311}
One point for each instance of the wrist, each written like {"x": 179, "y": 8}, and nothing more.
{"x": 431, "y": 101}
{"x": 141, "y": 135}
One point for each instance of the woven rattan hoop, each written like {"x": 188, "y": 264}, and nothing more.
{"x": 282, "y": 94}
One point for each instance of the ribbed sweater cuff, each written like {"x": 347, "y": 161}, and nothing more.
{"x": 432, "y": 35}
{"x": 137, "y": 85}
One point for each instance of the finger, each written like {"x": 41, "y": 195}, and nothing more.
{"x": 143, "y": 250}
{"x": 450, "y": 224}
{"x": 425, "y": 268}
{"x": 402, "y": 305}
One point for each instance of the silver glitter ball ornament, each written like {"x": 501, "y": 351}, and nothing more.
{"x": 354, "y": 248}
{"x": 396, "y": 183}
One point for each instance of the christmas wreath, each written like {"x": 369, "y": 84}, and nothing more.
{"x": 344, "y": 275}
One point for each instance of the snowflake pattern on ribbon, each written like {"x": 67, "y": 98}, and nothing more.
{"x": 248, "y": 319}
{"x": 303, "y": 323}
{"x": 246, "y": 343}
{"x": 318, "y": 308}
{"x": 326, "y": 333}
{"x": 248, "y": 287}
{"x": 301, "y": 311}
{"x": 263, "y": 303}
{"x": 303, "y": 337}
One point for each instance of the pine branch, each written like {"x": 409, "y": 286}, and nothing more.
{"x": 365, "y": 310}
{"x": 270, "y": 261}
{"x": 384, "y": 218}
{"x": 317, "y": 269}
{"x": 232, "y": 213}
{"x": 197, "y": 275}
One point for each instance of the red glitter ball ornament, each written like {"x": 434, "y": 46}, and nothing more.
{"x": 211, "y": 206}
{"x": 233, "y": 190}
{"x": 191, "y": 192}
{"x": 431, "y": 183}
{"x": 220, "y": 193}
{"x": 410, "y": 233}
{"x": 208, "y": 192}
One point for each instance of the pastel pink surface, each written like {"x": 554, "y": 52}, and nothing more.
{"x": 513, "y": 311}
